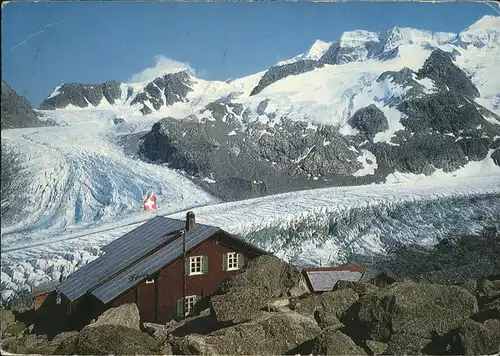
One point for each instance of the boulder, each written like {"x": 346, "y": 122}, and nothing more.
{"x": 376, "y": 347}
{"x": 6, "y": 318}
{"x": 334, "y": 342}
{"x": 270, "y": 333}
{"x": 423, "y": 310}
{"x": 406, "y": 344}
{"x": 126, "y": 315}
{"x": 473, "y": 338}
{"x": 246, "y": 293}
{"x": 28, "y": 344}
{"x": 328, "y": 308}
{"x": 108, "y": 339}
{"x": 16, "y": 328}
{"x": 158, "y": 331}
{"x": 359, "y": 287}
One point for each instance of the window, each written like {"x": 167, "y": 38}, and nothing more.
{"x": 149, "y": 281}
{"x": 195, "y": 264}
{"x": 186, "y": 307}
{"x": 189, "y": 303}
{"x": 58, "y": 298}
{"x": 232, "y": 261}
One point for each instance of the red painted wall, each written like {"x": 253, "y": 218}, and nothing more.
{"x": 169, "y": 283}
{"x": 170, "y": 279}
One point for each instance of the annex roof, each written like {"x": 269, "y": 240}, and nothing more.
{"x": 324, "y": 279}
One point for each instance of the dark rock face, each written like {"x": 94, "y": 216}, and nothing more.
{"x": 235, "y": 154}
{"x": 369, "y": 120}
{"x": 253, "y": 159}
{"x": 279, "y": 72}
{"x": 267, "y": 334}
{"x": 334, "y": 342}
{"x": 242, "y": 296}
{"x": 473, "y": 338}
{"x": 496, "y": 157}
{"x": 108, "y": 339}
{"x": 17, "y": 112}
{"x": 440, "y": 68}
{"x": 81, "y": 95}
{"x": 445, "y": 112}
{"x": 164, "y": 91}
{"x": 338, "y": 54}
{"x": 422, "y": 310}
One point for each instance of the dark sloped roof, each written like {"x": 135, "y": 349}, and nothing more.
{"x": 43, "y": 288}
{"x": 127, "y": 249}
{"x": 157, "y": 260}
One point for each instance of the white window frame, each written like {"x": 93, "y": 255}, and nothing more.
{"x": 198, "y": 266}
{"x": 58, "y": 298}
{"x": 232, "y": 261}
{"x": 150, "y": 280}
{"x": 189, "y": 303}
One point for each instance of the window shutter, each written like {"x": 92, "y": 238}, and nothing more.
{"x": 187, "y": 266}
{"x": 204, "y": 264}
{"x": 198, "y": 298}
{"x": 180, "y": 308}
{"x": 241, "y": 260}
{"x": 224, "y": 262}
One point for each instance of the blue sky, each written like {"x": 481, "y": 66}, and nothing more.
{"x": 46, "y": 44}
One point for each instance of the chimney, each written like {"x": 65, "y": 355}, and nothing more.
{"x": 190, "y": 221}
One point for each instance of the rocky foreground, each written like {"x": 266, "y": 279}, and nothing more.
{"x": 267, "y": 309}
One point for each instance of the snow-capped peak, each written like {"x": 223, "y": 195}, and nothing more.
{"x": 485, "y": 30}
{"x": 406, "y": 35}
{"x": 317, "y": 50}
{"x": 357, "y": 38}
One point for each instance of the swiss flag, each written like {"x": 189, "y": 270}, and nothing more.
{"x": 150, "y": 203}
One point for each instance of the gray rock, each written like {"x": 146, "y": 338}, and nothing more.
{"x": 16, "y": 328}
{"x": 158, "y": 331}
{"x": 6, "y": 319}
{"x": 369, "y": 120}
{"x": 243, "y": 296}
{"x": 359, "y": 287}
{"x": 112, "y": 91}
{"x": 376, "y": 347}
{"x": 126, "y": 315}
{"x": 279, "y": 72}
{"x": 174, "y": 87}
{"x": 108, "y": 339}
{"x": 269, "y": 334}
{"x": 423, "y": 310}
{"x": 495, "y": 156}
{"x": 17, "y": 112}
{"x": 440, "y": 68}
{"x": 407, "y": 344}
{"x": 334, "y": 342}
{"x": 79, "y": 95}
{"x": 326, "y": 305}
{"x": 473, "y": 338}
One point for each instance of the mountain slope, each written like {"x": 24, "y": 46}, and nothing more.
{"x": 309, "y": 122}
{"x": 17, "y": 112}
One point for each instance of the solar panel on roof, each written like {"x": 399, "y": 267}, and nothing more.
{"x": 140, "y": 241}
{"x": 141, "y": 270}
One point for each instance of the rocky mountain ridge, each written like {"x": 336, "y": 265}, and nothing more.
{"x": 17, "y": 112}
{"x": 371, "y": 106}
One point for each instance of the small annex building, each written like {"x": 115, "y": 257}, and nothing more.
{"x": 165, "y": 266}
{"x": 324, "y": 279}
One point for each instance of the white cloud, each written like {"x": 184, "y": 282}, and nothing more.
{"x": 163, "y": 66}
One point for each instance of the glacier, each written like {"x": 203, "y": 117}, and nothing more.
{"x": 309, "y": 228}
{"x": 79, "y": 189}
